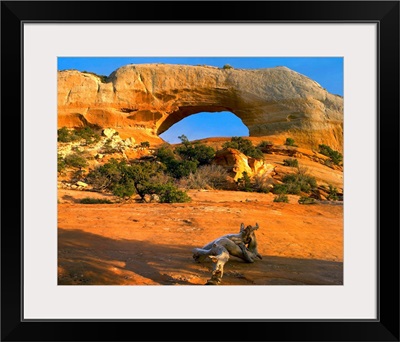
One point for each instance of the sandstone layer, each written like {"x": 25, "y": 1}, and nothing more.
{"x": 143, "y": 101}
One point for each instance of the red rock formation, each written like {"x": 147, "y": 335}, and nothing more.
{"x": 143, "y": 101}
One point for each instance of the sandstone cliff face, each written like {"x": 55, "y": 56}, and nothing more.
{"x": 145, "y": 100}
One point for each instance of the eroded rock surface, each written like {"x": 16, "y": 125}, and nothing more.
{"x": 145, "y": 100}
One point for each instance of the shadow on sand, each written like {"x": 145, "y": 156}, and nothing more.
{"x": 88, "y": 259}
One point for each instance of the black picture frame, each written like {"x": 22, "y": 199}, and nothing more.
{"x": 384, "y": 13}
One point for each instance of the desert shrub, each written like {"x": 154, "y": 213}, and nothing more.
{"x": 291, "y": 162}
{"x": 227, "y": 66}
{"x": 301, "y": 181}
{"x": 141, "y": 178}
{"x": 265, "y": 143}
{"x": 336, "y": 156}
{"x": 64, "y": 135}
{"x": 180, "y": 168}
{"x": 86, "y": 133}
{"x": 290, "y": 142}
{"x": 262, "y": 183}
{"x": 245, "y": 146}
{"x": 124, "y": 188}
{"x": 91, "y": 200}
{"x": 265, "y": 146}
{"x": 169, "y": 193}
{"x": 174, "y": 166}
{"x": 197, "y": 152}
{"x": 207, "y": 177}
{"x": 281, "y": 198}
{"x": 328, "y": 162}
{"x": 332, "y": 193}
{"x": 289, "y": 188}
{"x": 306, "y": 200}
{"x": 145, "y": 144}
{"x": 76, "y": 160}
{"x": 296, "y": 183}
{"x": 244, "y": 183}
{"x": 61, "y": 165}
{"x": 165, "y": 154}
{"x": 258, "y": 183}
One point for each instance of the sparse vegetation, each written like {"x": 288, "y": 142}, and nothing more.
{"x": 296, "y": 183}
{"x": 141, "y": 178}
{"x": 262, "y": 183}
{"x": 91, "y": 200}
{"x": 336, "y": 156}
{"x": 244, "y": 183}
{"x": 265, "y": 146}
{"x": 290, "y": 142}
{"x": 281, "y": 198}
{"x": 332, "y": 193}
{"x": 307, "y": 200}
{"x": 86, "y": 133}
{"x": 196, "y": 152}
{"x": 258, "y": 183}
{"x": 169, "y": 193}
{"x": 145, "y": 144}
{"x": 206, "y": 177}
{"x": 291, "y": 162}
{"x": 76, "y": 159}
{"x": 245, "y": 146}
{"x": 61, "y": 165}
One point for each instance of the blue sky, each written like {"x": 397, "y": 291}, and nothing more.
{"x": 327, "y": 71}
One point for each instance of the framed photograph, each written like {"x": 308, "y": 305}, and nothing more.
{"x": 163, "y": 146}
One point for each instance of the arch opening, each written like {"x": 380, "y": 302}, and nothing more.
{"x": 206, "y": 125}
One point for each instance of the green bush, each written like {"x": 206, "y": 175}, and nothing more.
{"x": 197, "y": 152}
{"x": 244, "y": 183}
{"x": 291, "y": 162}
{"x": 169, "y": 193}
{"x": 141, "y": 178}
{"x": 281, "y": 198}
{"x": 61, "y": 165}
{"x": 290, "y": 188}
{"x": 304, "y": 182}
{"x": 290, "y": 142}
{"x": 295, "y": 184}
{"x": 145, "y": 144}
{"x": 265, "y": 146}
{"x": 328, "y": 162}
{"x": 90, "y": 200}
{"x": 227, "y": 66}
{"x": 332, "y": 193}
{"x": 306, "y": 200}
{"x": 76, "y": 160}
{"x": 245, "y": 146}
{"x": 175, "y": 166}
{"x": 336, "y": 156}
{"x": 64, "y": 135}
{"x": 86, "y": 133}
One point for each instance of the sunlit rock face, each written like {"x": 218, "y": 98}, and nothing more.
{"x": 145, "y": 100}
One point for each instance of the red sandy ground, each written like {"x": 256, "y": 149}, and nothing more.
{"x": 151, "y": 243}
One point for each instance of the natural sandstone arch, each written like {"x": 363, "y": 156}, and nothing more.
{"x": 205, "y": 125}
{"x": 145, "y": 100}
